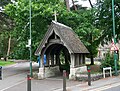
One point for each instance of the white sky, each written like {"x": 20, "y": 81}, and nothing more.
{"x": 84, "y": 3}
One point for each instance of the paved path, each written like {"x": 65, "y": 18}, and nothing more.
{"x": 116, "y": 88}
{"x": 41, "y": 85}
{"x": 14, "y": 74}
{"x": 52, "y": 84}
{"x": 14, "y": 79}
{"x": 99, "y": 85}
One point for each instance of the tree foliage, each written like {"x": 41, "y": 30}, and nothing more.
{"x": 104, "y": 18}
{"x": 109, "y": 62}
{"x": 6, "y": 24}
{"x": 88, "y": 33}
{"x": 82, "y": 21}
{"x": 42, "y": 15}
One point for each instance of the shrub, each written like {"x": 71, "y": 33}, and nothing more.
{"x": 109, "y": 62}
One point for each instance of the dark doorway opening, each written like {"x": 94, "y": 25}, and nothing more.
{"x": 58, "y": 55}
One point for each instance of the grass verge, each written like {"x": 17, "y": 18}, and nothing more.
{"x": 5, "y": 63}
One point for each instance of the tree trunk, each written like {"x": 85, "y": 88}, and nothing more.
{"x": 67, "y": 4}
{"x": 90, "y": 3}
{"x": 8, "y": 52}
{"x": 75, "y": 8}
{"x": 91, "y": 53}
{"x": 92, "y": 59}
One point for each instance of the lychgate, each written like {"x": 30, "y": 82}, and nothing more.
{"x": 63, "y": 50}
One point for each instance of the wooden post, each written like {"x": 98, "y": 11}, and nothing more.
{"x": 89, "y": 75}
{"x": 0, "y": 72}
{"x": 64, "y": 80}
{"x": 28, "y": 83}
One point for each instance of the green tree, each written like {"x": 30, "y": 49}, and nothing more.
{"x": 6, "y": 24}
{"x": 109, "y": 62}
{"x": 89, "y": 34}
{"x": 42, "y": 15}
{"x": 82, "y": 21}
{"x": 87, "y": 30}
{"x": 104, "y": 18}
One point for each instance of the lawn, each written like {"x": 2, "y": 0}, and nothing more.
{"x": 5, "y": 63}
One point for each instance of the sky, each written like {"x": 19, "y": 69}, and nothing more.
{"x": 84, "y": 3}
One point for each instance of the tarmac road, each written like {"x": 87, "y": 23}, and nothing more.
{"x": 14, "y": 74}
{"x": 40, "y": 85}
{"x": 15, "y": 79}
{"x": 114, "y": 89}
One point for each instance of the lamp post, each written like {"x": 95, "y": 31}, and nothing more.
{"x": 115, "y": 54}
{"x": 30, "y": 40}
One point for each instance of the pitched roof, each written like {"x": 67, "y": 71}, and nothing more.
{"x": 70, "y": 40}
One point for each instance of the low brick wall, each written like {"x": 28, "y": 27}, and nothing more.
{"x": 94, "y": 77}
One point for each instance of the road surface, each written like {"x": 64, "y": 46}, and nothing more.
{"x": 15, "y": 79}
{"x": 117, "y": 88}
{"x": 14, "y": 74}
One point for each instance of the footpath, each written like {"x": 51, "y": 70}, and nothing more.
{"x": 99, "y": 85}
{"x": 18, "y": 81}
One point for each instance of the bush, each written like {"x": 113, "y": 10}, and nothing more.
{"x": 95, "y": 68}
{"x": 109, "y": 62}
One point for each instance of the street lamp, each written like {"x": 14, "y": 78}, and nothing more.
{"x": 30, "y": 41}
{"x": 115, "y": 54}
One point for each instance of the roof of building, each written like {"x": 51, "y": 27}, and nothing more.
{"x": 70, "y": 40}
